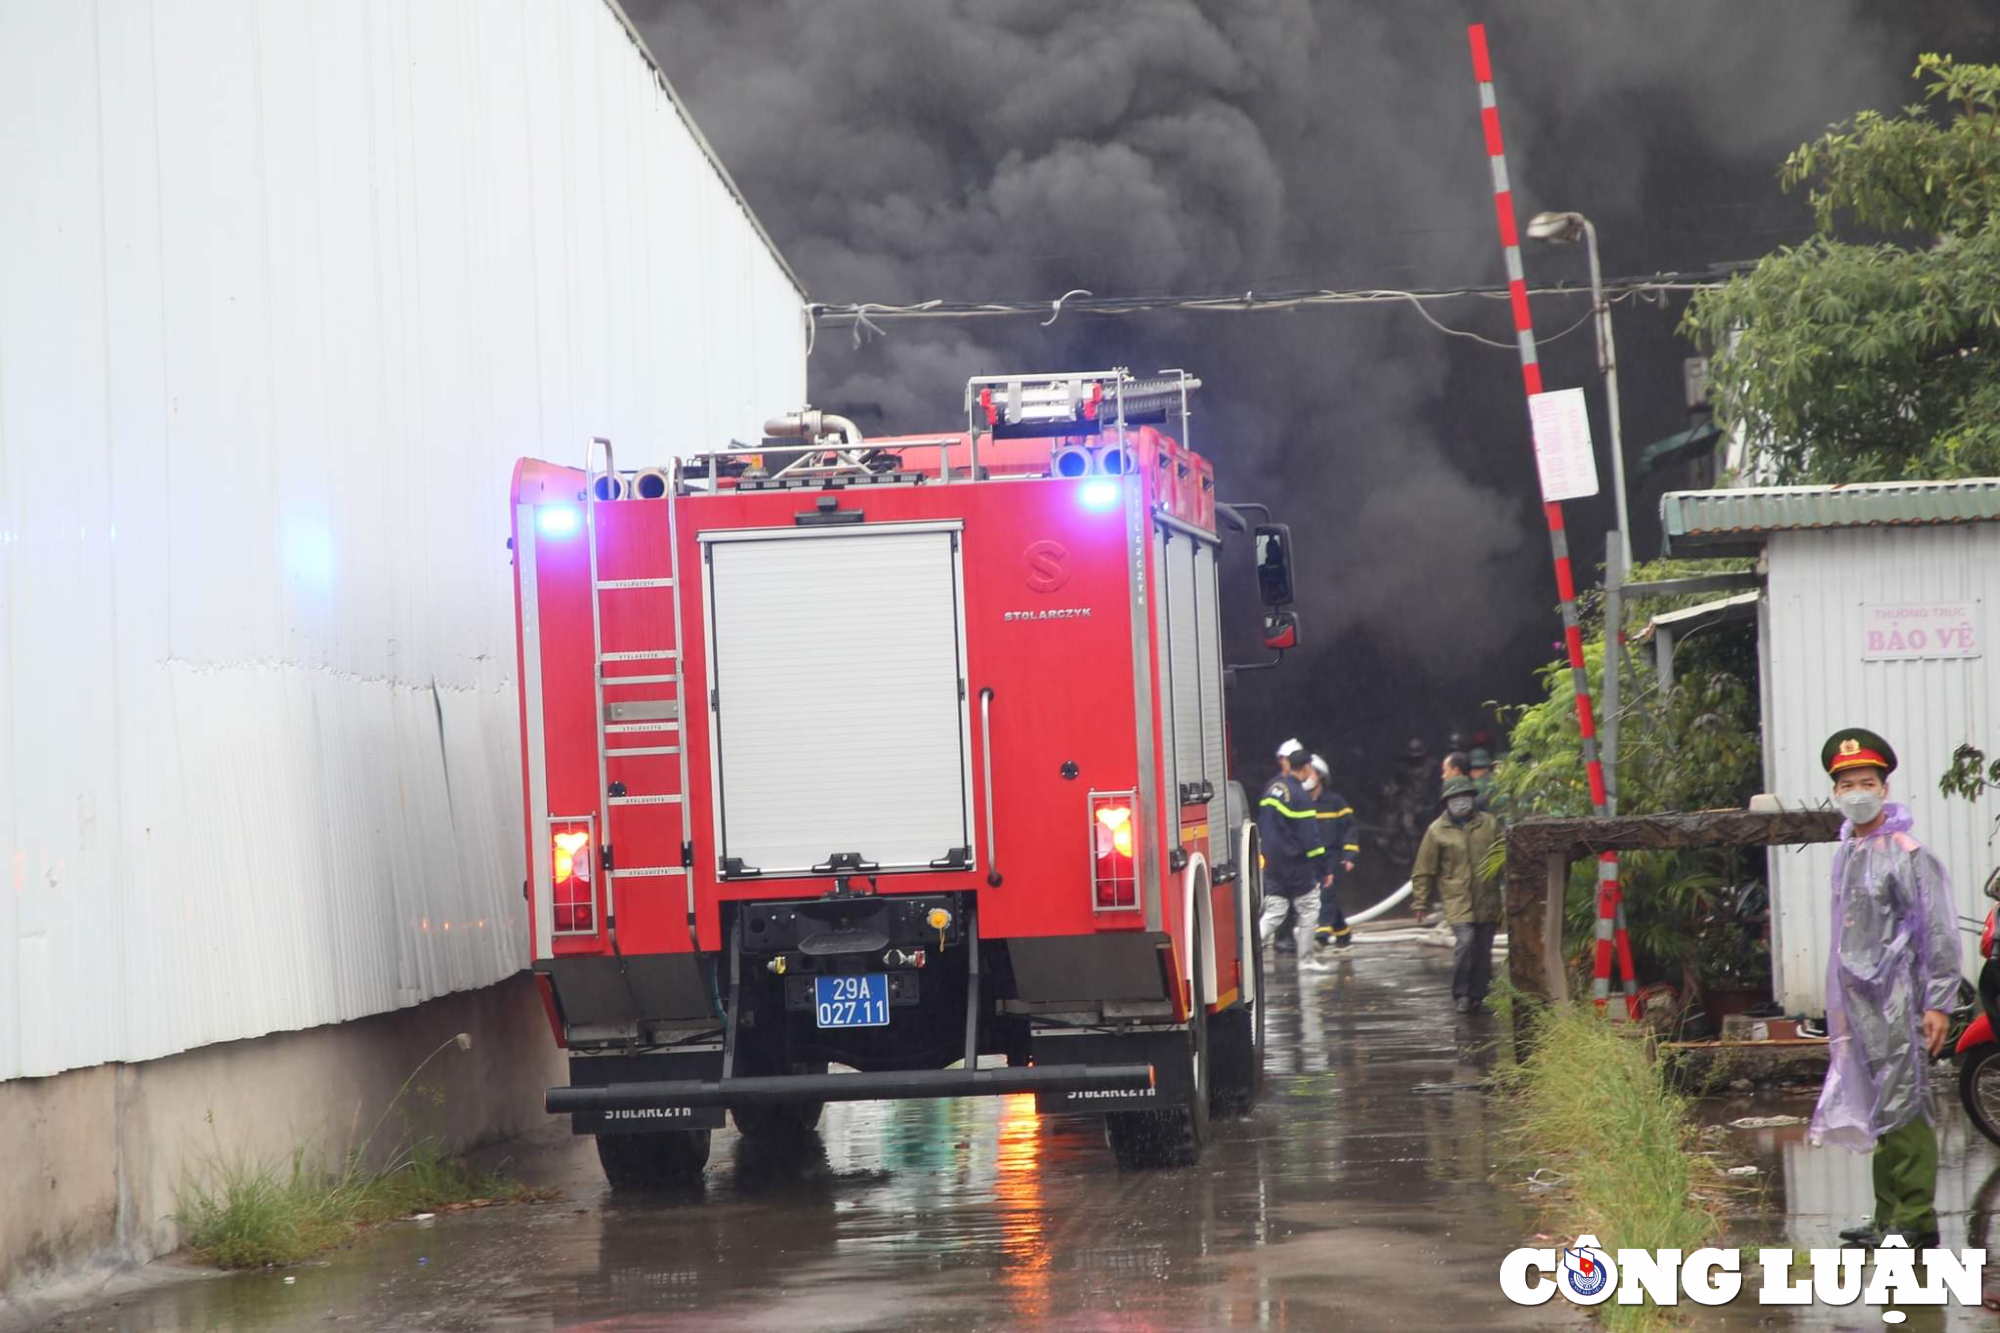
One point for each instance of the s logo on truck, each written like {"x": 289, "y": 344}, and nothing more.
{"x": 1047, "y": 564}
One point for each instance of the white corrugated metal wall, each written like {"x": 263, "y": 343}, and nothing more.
{"x": 285, "y": 288}
{"x": 1817, "y": 682}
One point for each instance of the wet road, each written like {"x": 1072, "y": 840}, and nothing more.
{"x": 1349, "y": 1199}
{"x": 1346, "y": 1200}
{"x": 1802, "y": 1196}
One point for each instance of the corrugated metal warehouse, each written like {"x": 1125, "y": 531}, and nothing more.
{"x": 285, "y": 288}
{"x": 1874, "y": 615}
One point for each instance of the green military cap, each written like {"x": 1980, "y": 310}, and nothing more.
{"x": 1856, "y": 747}
{"x": 1459, "y": 787}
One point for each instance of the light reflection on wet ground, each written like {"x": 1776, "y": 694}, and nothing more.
{"x": 1346, "y": 1200}
{"x": 1803, "y": 1196}
{"x": 1349, "y": 1199}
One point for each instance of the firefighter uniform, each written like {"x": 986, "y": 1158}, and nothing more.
{"x": 1294, "y": 855}
{"x": 1339, "y": 837}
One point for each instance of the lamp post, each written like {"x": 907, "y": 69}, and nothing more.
{"x": 1566, "y": 228}
{"x": 1561, "y": 229}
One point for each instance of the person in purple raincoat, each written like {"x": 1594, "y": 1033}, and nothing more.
{"x": 1891, "y": 979}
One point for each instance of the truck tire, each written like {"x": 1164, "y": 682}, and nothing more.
{"x": 668, "y": 1159}
{"x": 1238, "y": 1039}
{"x": 793, "y": 1120}
{"x": 1146, "y": 1140}
{"x": 780, "y": 1122}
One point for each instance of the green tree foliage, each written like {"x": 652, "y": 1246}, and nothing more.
{"x": 1878, "y": 358}
{"x": 1971, "y": 776}
{"x": 1695, "y": 747}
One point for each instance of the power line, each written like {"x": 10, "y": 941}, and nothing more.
{"x": 867, "y": 316}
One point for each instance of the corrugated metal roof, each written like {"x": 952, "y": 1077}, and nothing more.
{"x": 1706, "y": 613}
{"x": 1744, "y": 516}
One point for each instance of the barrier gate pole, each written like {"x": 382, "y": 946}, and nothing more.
{"x": 1610, "y": 901}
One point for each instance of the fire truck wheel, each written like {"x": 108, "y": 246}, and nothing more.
{"x": 1143, "y": 1140}
{"x": 1238, "y": 1040}
{"x": 790, "y": 1121}
{"x": 778, "y": 1123}
{"x": 663, "y": 1160}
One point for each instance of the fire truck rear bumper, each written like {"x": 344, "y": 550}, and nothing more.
{"x": 777, "y": 1089}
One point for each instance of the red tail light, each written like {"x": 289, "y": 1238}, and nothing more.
{"x": 1114, "y": 833}
{"x": 1986, "y": 936}
{"x": 575, "y": 892}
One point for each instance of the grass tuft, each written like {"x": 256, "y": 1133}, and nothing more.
{"x": 245, "y": 1214}
{"x": 1590, "y": 1104}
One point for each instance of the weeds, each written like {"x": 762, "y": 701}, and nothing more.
{"x": 251, "y": 1214}
{"x": 1590, "y": 1106}
{"x": 240, "y": 1213}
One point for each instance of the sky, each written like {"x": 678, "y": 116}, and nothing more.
{"x": 903, "y": 150}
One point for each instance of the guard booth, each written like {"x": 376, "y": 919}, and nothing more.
{"x": 1875, "y": 612}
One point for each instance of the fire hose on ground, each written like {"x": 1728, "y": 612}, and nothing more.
{"x": 1413, "y": 932}
{"x": 1356, "y": 918}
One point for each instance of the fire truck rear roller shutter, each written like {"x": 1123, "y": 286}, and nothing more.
{"x": 877, "y": 761}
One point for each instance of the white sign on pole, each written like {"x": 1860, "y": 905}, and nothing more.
{"x": 1562, "y": 445}
{"x": 1931, "y": 629}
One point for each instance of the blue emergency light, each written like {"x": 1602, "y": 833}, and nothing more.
{"x": 1100, "y": 494}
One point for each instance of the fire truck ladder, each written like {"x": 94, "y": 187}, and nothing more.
{"x": 613, "y": 796}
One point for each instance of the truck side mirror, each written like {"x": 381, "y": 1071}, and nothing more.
{"x": 1281, "y": 630}
{"x": 1274, "y": 563}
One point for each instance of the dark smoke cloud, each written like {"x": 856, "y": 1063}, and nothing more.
{"x": 911, "y": 149}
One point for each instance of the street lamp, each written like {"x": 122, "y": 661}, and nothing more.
{"x": 1565, "y": 229}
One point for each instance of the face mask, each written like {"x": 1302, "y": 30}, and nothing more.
{"x": 1860, "y": 806}
{"x": 1458, "y": 807}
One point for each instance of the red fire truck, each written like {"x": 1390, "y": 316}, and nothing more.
{"x": 891, "y": 755}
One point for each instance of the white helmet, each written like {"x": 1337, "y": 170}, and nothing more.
{"x": 1319, "y": 764}
{"x": 1285, "y": 750}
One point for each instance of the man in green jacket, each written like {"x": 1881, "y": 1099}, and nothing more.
{"x": 1448, "y": 865}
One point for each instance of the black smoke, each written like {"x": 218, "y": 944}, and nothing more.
{"x": 968, "y": 149}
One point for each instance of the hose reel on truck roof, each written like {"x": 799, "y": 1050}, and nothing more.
{"x": 1008, "y": 406}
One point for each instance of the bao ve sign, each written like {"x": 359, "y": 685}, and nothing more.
{"x": 1931, "y": 629}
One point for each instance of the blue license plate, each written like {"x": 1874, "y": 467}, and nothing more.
{"x": 852, "y": 1002}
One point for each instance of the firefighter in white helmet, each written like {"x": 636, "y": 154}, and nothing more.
{"x": 1294, "y": 855}
{"x": 1285, "y": 940}
{"x": 1336, "y": 824}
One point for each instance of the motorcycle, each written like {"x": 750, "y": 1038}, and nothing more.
{"x": 1978, "y": 1048}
